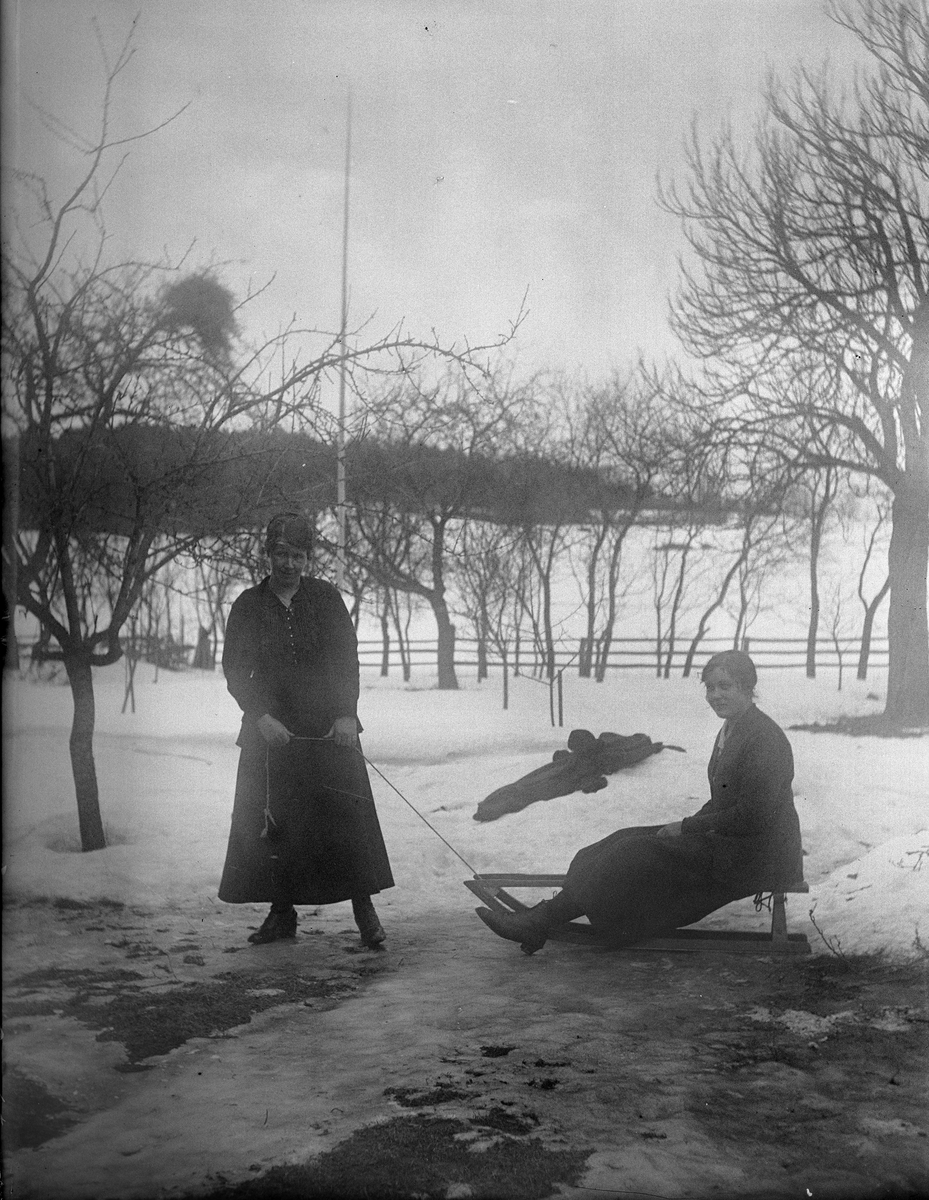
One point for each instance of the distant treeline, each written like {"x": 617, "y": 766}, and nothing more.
{"x": 203, "y": 482}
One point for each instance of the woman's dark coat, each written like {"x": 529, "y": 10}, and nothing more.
{"x": 745, "y": 839}
{"x": 322, "y": 840}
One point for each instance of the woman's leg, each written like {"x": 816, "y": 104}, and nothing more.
{"x": 281, "y": 922}
{"x": 370, "y": 928}
{"x": 630, "y": 885}
{"x": 561, "y": 908}
{"x": 531, "y": 928}
{"x": 647, "y": 887}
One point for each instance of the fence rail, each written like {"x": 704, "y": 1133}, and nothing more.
{"x": 636, "y": 653}
{"x": 631, "y": 654}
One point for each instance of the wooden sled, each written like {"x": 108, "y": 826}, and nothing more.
{"x": 491, "y": 889}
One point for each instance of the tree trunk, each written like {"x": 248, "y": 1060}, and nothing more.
{"x": 867, "y": 627}
{"x": 675, "y": 609}
{"x": 549, "y": 651}
{"x": 609, "y": 625}
{"x": 704, "y": 622}
{"x": 812, "y": 628}
{"x": 741, "y": 623}
{"x": 402, "y": 645}
{"x": 585, "y": 663}
{"x": 81, "y": 745}
{"x": 819, "y": 509}
{"x": 907, "y": 633}
{"x": 448, "y": 680}
{"x": 131, "y": 659}
{"x": 204, "y": 654}
{"x": 10, "y": 558}
{"x": 385, "y": 641}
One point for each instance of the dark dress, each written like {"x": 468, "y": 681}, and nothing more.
{"x": 323, "y": 842}
{"x": 634, "y": 885}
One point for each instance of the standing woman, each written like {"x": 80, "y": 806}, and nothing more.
{"x": 304, "y": 826}
{"x": 648, "y": 880}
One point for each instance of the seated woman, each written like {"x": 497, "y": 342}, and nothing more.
{"x": 650, "y": 879}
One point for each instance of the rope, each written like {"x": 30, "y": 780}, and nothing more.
{"x": 473, "y": 870}
{"x": 269, "y": 818}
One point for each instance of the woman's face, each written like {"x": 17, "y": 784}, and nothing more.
{"x": 287, "y": 564}
{"x": 726, "y": 697}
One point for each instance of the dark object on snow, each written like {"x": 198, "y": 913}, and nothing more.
{"x": 583, "y": 767}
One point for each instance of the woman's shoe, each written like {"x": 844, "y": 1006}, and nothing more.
{"x": 275, "y": 927}
{"x": 370, "y": 928}
{"x": 529, "y": 928}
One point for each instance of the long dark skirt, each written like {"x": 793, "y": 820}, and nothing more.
{"x": 321, "y": 841}
{"x": 633, "y": 885}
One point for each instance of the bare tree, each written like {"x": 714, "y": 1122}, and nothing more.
{"x": 835, "y": 608}
{"x": 809, "y": 301}
{"x": 816, "y": 493}
{"x": 550, "y": 489}
{"x": 672, "y": 558}
{"x": 755, "y": 491}
{"x": 695, "y": 473}
{"x": 617, "y": 435}
{"x": 214, "y": 584}
{"x": 871, "y": 606}
{"x": 488, "y": 575}
{"x": 755, "y": 573}
{"x": 429, "y": 465}
{"x": 122, "y": 383}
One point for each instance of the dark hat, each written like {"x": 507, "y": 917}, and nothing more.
{"x": 290, "y": 527}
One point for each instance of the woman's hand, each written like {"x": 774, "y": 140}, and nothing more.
{"x": 672, "y": 830}
{"x": 273, "y": 732}
{"x": 344, "y": 732}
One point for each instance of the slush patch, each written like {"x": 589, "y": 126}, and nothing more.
{"x": 419, "y": 1156}
{"x": 31, "y": 1114}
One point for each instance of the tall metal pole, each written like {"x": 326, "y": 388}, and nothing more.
{"x": 340, "y": 446}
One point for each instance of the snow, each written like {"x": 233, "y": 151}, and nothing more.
{"x": 167, "y": 775}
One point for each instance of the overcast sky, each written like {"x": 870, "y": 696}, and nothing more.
{"x": 498, "y": 146}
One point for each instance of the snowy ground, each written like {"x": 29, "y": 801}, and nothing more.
{"x": 167, "y": 775}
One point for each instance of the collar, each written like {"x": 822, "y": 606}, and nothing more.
{"x": 268, "y": 594}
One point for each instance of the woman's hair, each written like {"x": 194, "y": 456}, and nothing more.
{"x": 737, "y": 665}
{"x": 290, "y": 527}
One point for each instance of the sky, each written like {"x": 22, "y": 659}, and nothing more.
{"x": 498, "y": 150}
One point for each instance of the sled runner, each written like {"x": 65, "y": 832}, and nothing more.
{"x": 491, "y": 889}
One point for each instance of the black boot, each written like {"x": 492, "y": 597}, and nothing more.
{"x": 278, "y": 924}
{"x": 370, "y": 928}
{"x": 529, "y": 928}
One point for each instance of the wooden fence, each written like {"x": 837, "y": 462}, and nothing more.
{"x": 523, "y": 657}
{"x": 627, "y": 654}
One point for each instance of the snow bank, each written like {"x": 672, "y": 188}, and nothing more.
{"x": 878, "y": 902}
{"x": 167, "y": 774}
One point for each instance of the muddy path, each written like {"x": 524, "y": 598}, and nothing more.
{"x": 153, "y": 1053}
